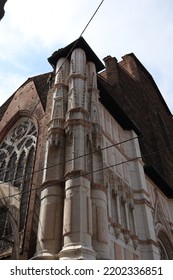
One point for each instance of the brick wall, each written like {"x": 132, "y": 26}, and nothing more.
{"x": 136, "y": 92}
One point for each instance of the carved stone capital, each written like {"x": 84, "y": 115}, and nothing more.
{"x": 135, "y": 241}
{"x": 126, "y": 234}
{"x": 117, "y": 230}
{"x": 55, "y": 137}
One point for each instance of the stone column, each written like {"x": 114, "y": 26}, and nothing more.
{"x": 142, "y": 206}
{"x": 77, "y": 227}
{"x": 99, "y": 190}
{"x": 49, "y": 241}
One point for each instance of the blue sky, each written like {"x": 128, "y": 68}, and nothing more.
{"x": 33, "y": 29}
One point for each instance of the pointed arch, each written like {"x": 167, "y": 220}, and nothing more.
{"x": 17, "y": 160}
{"x": 165, "y": 246}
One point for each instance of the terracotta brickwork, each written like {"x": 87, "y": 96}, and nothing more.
{"x": 136, "y": 92}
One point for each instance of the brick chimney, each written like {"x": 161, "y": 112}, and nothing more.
{"x": 111, "y": 69}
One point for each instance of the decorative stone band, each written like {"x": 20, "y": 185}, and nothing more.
{"x": 77, "y": 122}
{"x": 78, "y": 109}
{"x": 76, "y": 76}
{"x": 76, "y": 173}
{"x": 143, "y": 201}
{"x": 50, "y": 183}
{"x": 99, "y": 187}
{"x": 56, "y": 137}
{"x": 142, "y": 191}
{"x": 55, "y": 130}
{"x": 56, "y": 123}
{"x": 59, "y": 85}
{"x": 148, "y": 242}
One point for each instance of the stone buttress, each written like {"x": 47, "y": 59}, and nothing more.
{"x": 73, "y": 183}
{"x": 52, "y": 195}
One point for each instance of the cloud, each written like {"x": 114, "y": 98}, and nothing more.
{"x": 32, "y": 30}
{"x": 10, "y": 83}
{"x": 48, "y": 22}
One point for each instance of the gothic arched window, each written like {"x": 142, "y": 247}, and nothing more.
{"x": 17, "y": 153}
{"x": 162, "y": 251}
{"x": 165, "y": 246}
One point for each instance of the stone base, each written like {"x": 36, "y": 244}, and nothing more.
{"x": 45, "y": 255}
{"x": 76, "y": 252}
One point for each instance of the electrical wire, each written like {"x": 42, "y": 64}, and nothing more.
{"x": 93, "y": 171}
{"x": 89, "y": 173}
{"x": 74, "y": 158}
{"x": 69, "y": 160}
{"x": 75, "y": 43}
{"x": 90, "y": 153}
{"x": 98, "y": 170}
{"x": 91, "y": 18}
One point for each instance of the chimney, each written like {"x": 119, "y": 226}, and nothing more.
{"x": 111, "y": 69}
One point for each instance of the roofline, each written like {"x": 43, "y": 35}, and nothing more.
{"x": 5, "y": 105}
{"x": 66, "y": 52}
{"x": 150, "y": 77}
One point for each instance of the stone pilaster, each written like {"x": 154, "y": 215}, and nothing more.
{"x": 142, "y": 205}
{"x": 99, "y": 191}
{"x": 49, "y": 241}
{"x": 77, "y": 224}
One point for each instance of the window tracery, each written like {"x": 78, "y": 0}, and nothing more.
{"x": 17, "y": 153}
{"x": 162, "y": 251}
{"x": 3, "y": 211}
{"x": 165, "y": 246}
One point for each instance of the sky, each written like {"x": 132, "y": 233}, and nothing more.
{"x": 32, "y": 30}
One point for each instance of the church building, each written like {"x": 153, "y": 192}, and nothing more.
{"x": 86, "y": 162}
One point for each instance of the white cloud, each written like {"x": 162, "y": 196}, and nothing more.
{"x": 9, "y": 82}
{"x": 51, "y": 21}
{"x": 32, "y": 29}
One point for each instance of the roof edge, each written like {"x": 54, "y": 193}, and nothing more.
{"x": 150, "y": 77}
{"x": 66, "y": 52}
